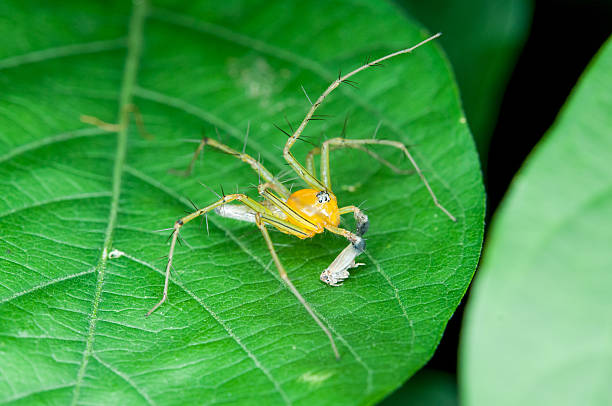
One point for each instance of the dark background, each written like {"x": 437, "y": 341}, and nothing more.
{"x": 564, "y": 36}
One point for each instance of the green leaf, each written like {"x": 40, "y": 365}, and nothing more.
{"x": 537, "y": 329}
{"x": 483, "y": 39}
{"x": 72, "y": 325}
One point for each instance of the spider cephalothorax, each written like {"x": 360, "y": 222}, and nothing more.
{"x": 319, "y": 207}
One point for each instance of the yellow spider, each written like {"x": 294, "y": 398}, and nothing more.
{"x": 305, "y": 212}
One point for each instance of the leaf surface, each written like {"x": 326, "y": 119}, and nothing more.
{"x": 537, "y": 328}
{"x": 81, "y": 263}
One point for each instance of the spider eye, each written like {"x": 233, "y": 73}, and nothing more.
{"x": 323, "y": 197}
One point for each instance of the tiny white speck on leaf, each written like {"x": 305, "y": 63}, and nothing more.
{"x": 116, "y": 254}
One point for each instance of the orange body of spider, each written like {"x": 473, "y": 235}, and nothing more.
{"x": 318, "y": 207}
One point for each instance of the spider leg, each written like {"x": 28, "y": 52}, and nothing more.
{"x": 263, "y": 173}
{"x": 336, "y": 143}
{"x": 361, "y": 219}
{"x": 310, "y": 166}
{"x": 325, "y": 172}
{"x": 301, "y": 171}
{"x": 252, "y": 204}
{"x": 356, "y": 240}
{"x": 130, "y": 108}
{"x": 285, "y": 278}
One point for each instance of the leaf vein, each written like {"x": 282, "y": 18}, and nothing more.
{"x": 62, "y": 51}
{"x": 57, "y": 200}
{"x": 45, "y": 285}
{"x": 135, "y": 32}
{"x": 126, "y": 379}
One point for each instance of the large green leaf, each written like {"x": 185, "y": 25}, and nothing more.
{"x": 538, "y": 327}
{"x": 483, "y": 39}
{"x": 72, "y": 325}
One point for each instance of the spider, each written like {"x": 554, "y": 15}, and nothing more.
{"x": 305, "y": 212}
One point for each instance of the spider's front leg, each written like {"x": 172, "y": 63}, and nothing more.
{"x": 362, "y": 222}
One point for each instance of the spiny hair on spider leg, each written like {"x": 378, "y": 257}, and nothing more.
{"x": 162, "y": 257}
{"x": 211, "y": 189}
{"x": 246, "y": 137}
{"x": 306, "y": 94}
{"x": 376, "y": 130}
{"x": 301, "y": 138}
{"x": 347, "y": 81}
{"x": 360, "y": 207}
{"x": 289, "y": 179}
{"x": 351, "y": 83}
{"x": 282, "y": 174}
{"x": 319, "y": 117}
{"x": 307, "y": 140}
{"x": 163, "y": 229}
{"x": 171, "y": 234}
{"x": 288, "y": 123}
{"x": 193, "y": 204}
{"x": 219, "y": 135}
{"x": 369, "y": 62}
{"x": 280, "y": 129}
{"x": 176, "y": 274}
{"x": 190, "y": 140}
{"x": 344, "y": 125}
{"x": 179, "y": 239}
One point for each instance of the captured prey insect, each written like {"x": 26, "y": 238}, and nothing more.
{"x": 305, "y": 212}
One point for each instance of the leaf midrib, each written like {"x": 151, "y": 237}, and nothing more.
{"x": 134, "y": 46}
